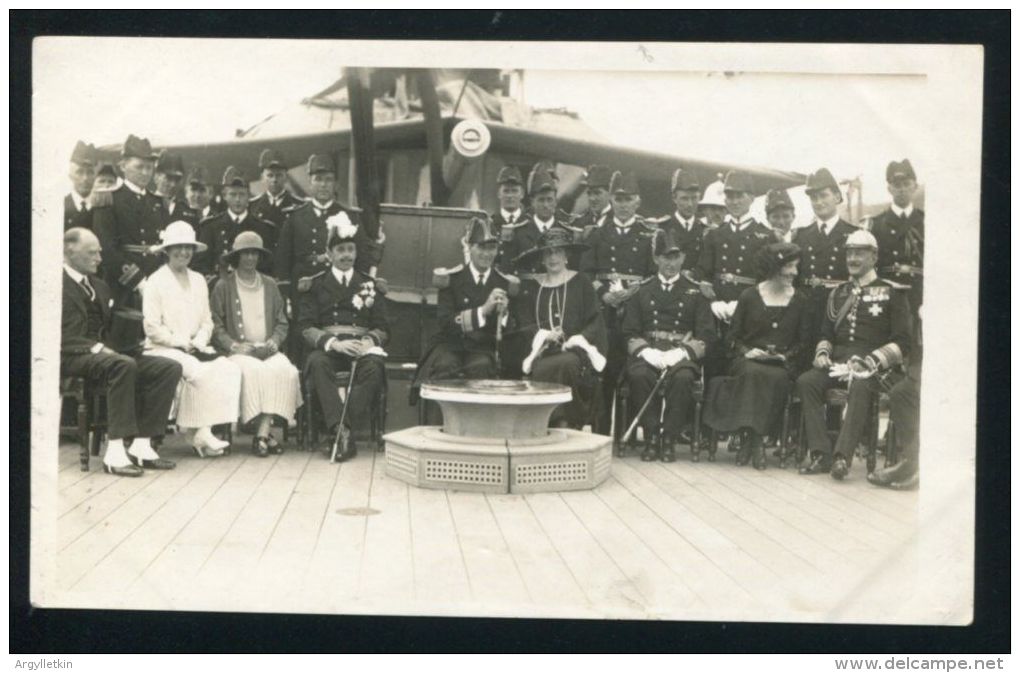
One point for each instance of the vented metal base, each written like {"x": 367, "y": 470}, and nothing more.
{"x": 563, "y": 460}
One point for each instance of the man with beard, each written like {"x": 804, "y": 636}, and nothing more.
{"x": 271, "y": 204}
{"x": 77, "y": 206}
{"x": 866, "y": 331}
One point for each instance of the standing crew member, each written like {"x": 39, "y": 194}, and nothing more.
{"x": 780, "y": 213}
{"x": 218, "y": 232}
{"x": 866, "y": 330}
{"x": 712, "y": 207}
{"x": 77, "y": 206}
{"x": 522, "y": 236}
{"x": 168, "y": 178}
{"x": 271, "y": 204}
{"x": 128, "y": 227}
{"x": 599, "y": 208}
{"x": 683, "y": 222}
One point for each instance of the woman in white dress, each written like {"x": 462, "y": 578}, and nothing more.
{"x": 250, "y": 324}
{"x": 178, "y": 325}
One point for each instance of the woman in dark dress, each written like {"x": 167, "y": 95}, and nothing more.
{"x": 560, "y": 318}
{"x": 768, "y": 339}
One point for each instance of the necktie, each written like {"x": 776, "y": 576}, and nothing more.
{"x": 88, "y": 288}
{"x": 343, "y": 280}
{"x": 480, "y": 280}
{"x": 84, "y": 206}
{"x": 821, "y": 228}
{"x": 666, "y": 287}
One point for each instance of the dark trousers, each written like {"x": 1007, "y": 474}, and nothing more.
{"x": 676, "y": 390}
{"x": 369, "y": 379}
{"x": 616, "y": 361}
{"x": 569, "y": 368}
{"x": 812, "y": 386}
{"x": 126, "y": 331}
{"x": 139, "y": 390}
{"x": 445, "y": 362}
{"x": 905, "y": 413}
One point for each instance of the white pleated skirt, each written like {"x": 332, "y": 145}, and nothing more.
{"x": 209, "y": 392}
{"x": 268, "y": 386}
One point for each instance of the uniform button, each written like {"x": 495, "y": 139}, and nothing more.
{"x": 724, "y": 257}
{"x": 831, "y": 268}
{"x": 740, "y": 259}
{"x": 775, "y": 325}
{"x": 743, "y": 247}
{"x": 896, "y": 253}
{"x": 893, "y": 232}
{"x": 725, "y": 245}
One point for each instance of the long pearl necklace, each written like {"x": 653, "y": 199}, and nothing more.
{"x": 252, "y": 286}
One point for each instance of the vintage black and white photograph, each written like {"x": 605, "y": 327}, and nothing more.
{"x": 598, "y": 331}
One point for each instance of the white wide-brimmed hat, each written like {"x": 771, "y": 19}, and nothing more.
{"x": 179, "y": 233}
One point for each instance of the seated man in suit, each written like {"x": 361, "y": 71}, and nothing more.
{"x": 343, "y": 320}
{"x": 473, "y": 301}
{"x": 139, "y": 388}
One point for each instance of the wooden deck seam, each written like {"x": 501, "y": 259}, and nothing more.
{"x": 286, "y": 504}
{"x": 506, "y": 543}
{"x": 573, "y": 576}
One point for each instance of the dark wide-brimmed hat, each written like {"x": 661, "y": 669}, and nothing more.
{"x": 320, "y": 163}
{"x": 198, "y": 176}
{"x": 624, "y": 182}
{"x": 552, "y": 239}
{"x": 774, "y": 256}
{"x": 246, "y": 240}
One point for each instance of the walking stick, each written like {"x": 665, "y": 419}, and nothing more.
{"x": 641, "y": 412}
{"x": 499, "y": 339}
{"x": 343, "y": 435}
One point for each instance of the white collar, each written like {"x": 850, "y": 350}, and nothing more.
{"x": 140, "y": 191}
{"x": 902, "y": 212}
{"x": 829, "y": 223}
{"x": 75, "y": 275}
{"x": 544, "y": 225}
{"x": 668, "y": 281}
{"x": 275, "y": 199}
{"x": 688, "y": 224}
{"x": 738, "y": 225}
{"x": 475, "y": 273}
{"x": 342, "y": 277}
{"x": 623, "y": 225}
{"x": 237, "y": 218}
{"x": 509, "y": 214}
{"x": 322, "y": 206}
{"x": 79, "y": 201}
{"x": 205, "y": 211}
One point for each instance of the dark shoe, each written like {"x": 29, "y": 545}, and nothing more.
{"x": 758, "y": 457}
{"x": 840, "y": 468}
{"x": 816, "y": 466}
{"x": 695, "y": 454}
{"x": 668, "y": 450}
{"x": 343, "y": 447}
{"x": 274, "y": 446}
{"x": 260, "y": 446}
{"x": 125, "y": 471}
{"x": 911, "y": 483}
{"x": 888, "y": 475}
{"x": 733, "y": 445}
{"x": 154, "y": 464}
{"x": 744, "y": 455}
{"x": 651, "y": 452}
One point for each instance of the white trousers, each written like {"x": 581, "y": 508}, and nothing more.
{"x": 209, "y": 392}
{"x": 268, "y": 386}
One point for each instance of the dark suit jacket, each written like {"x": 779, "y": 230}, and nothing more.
{"x": 304, "y": 236}
{"x": 74, "y": 217}
{"x": 328, "y": 303}
{"x": 458, "y": 311}
{"x": 262, "y": 209}
{"x": 74, "y": 339}
{"x": 823, "y": 256}
{"x": 129, "y": 220}
{"x": 689, "y": 241}
{"x": 218, "y": 232}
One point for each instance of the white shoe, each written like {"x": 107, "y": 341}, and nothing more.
{"x": 142, "y": 449}
{"x": 115, "y": 454}
{"x": 206, "y": 443}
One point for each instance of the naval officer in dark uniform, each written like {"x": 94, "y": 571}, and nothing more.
{"x": 472, "y": 308}
{"x": 618, "y": 259}
{"x": 196, "y": 198}
{"x": 271, "y": 204}
{"x": 218, "y": 232}
{"x": 596, "y": 181}
{"x": 128, "y": 227}
{"x": 167, "y": 181}
{"x": 667, "y": 325}
{"x": 867, "y": 329}
{"x": 823, "y": 257}
{"x": 77, "y": 205}
{"x": 780, "y": 213}
{"x": 342, "y": 318}
{"x": 523, "y": 235}
{"x": 683, "y": 223}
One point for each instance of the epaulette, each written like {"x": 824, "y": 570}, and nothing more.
{"x": 515, "y": 282}
{"x": 658, "y": 220}
{"x": 894, "y": 285}
{"x": 571, "y": 227}
{"x": 349, "y": 209}
{"x": 299, "y": 206}
{"x": 650, "y": 225}
{"x": 506, "y": 232}
{"x": 441, "y": 275}
{"x": 101, "y": 198}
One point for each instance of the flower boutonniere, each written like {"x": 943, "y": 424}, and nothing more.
{"x": 365, "y": 297}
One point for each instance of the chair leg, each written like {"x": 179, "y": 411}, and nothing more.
{"x": 784, "y": 435}
{"x": 891, "y": 450}
{"x": 696, "y": 435}
{"x": 872, "y": 437}
{"x": 83, "y": 434}
{"x": 380, "y": 428}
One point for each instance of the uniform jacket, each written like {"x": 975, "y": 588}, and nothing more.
{"x": 304, "y": 236}
{"x": 459, "y": 311}
{"x": 588, "y": 221}
{"x": 74, "y": 217}
{"x": 262, "y": 209}
{"x": 523, "y": 236}
{"x": 876, "y": 322}
{"x": 822, "y": 256}
{"x": 130, "y": 219}
{"x": 901, "y": 246}
{"x": 74, "y": 332}
{"x": 683, "y": 311}
{"x": 328, "y": 303}
{"x": 218, "y": 232}
{"x": 227, "y": 316}
{"x": 689, "y": 241}
{"x": 725, "y": 251}
{"x": 611, "y": 252}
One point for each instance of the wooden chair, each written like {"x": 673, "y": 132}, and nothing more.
{"x": 623, "y": 417}
{"x": 90, "y": 427}
{"x": 312, "y": 421}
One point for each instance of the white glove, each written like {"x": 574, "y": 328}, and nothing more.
{"x": 653, "y": 356}
{"x": 721, "y": 310}
{"x": 674, "y": 357}
{"x": 598, "y": 361}
{"x": 537, "y": 346}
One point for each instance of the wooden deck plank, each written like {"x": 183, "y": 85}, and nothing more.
{"x": 545, "y": 573}
{"x": 492, "y": 572}
{"x": 663, "y": 591}
{"x": 330, "y": 580}
{"x": 607, "y": 587}
{"x": 129, "y": 558}
{"x": 85, "y": 485}
{"x": 89, "y": 535}
{"x": 709, "y": 582}
{"x": 387, "y": 565}
{"x": 440, "y": 574}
